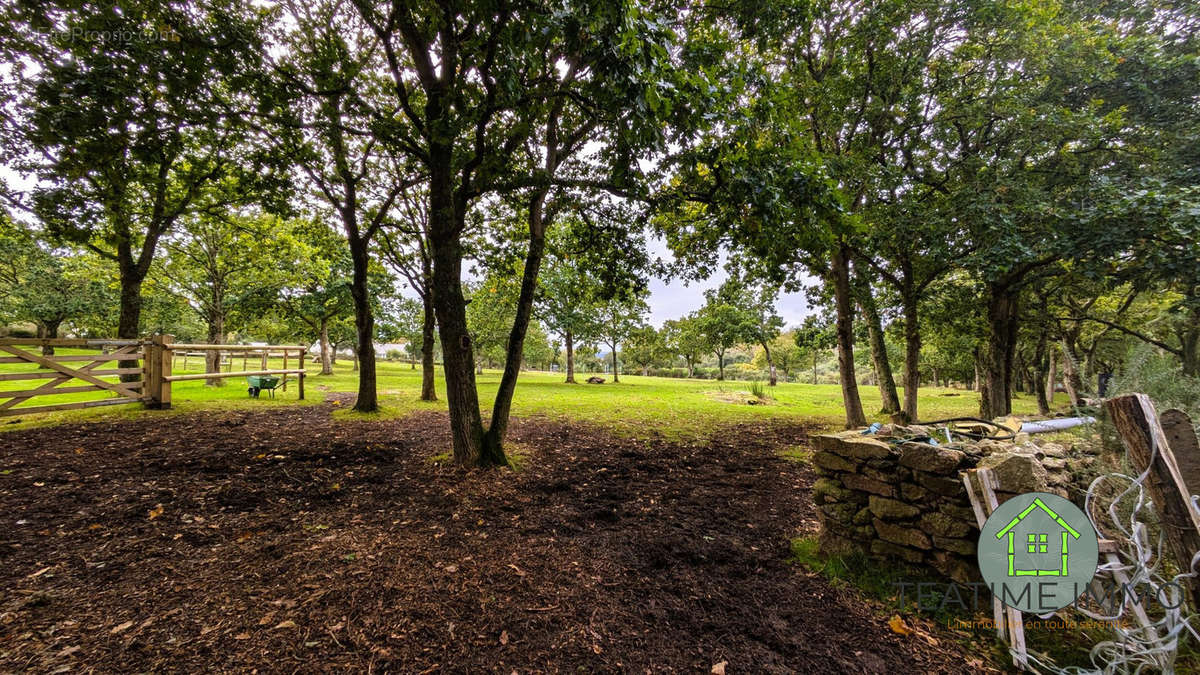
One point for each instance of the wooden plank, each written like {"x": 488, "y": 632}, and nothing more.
{"x": 27, "y": 393}
{"x": 9, "y": 377}
{"x": 998, "y": 618}
{"x": 12, "y": 412}
{"x": 1181, "y": 438}
{"x": 243, "y": 373}
{"x": 1016, "y": 623}
{"x": 71, "y": 358}
{"x": 80, "y": 374}
{"x": 1136, "y": 421}
{"x": 230, "y": 348}
{"x": 67, "y": 342}
{"x": 166, "y": 364}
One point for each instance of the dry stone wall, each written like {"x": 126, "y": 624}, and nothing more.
{"x": 895, "y": 499}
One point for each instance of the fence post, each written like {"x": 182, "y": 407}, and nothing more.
{"x": 150, "y": 365}
{"x": 168, "y": 359}
{"x": 1136, "y": 421}
{"x": 303, "y": 366}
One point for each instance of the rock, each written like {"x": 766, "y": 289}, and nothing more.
{"x": 832, "y": 544}
{"x": 864, "y": 484}
{"x": 913, "y": 493}
{"x": 1052, "y": 450}
{"x": 1017, "y": 473}
{"x": 831, "y": 462}
{"x": 956, "y": 568}
{"x": 941, "y": 485}
{"x": 929, "y": 458}
{"x": 828, "y": 490}
{"x": 884, "y": 549}
{"x": 863, "y": 517}
{"x": 901, "y": 534}
{"x": 832, "y": 442}
{"x": 595, "y": 379}
{"x": 963, "y": 513}
{"x": 962, "y": 546}
{"x": 891, "y": 509}
{"x": 1054, "y": 463}
{"x": 942, "y": 525}
{"x": 864, "y": 447}
{"x": 843, "y": 513}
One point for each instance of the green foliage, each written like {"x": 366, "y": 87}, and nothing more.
{"x": 1157, "y": 375}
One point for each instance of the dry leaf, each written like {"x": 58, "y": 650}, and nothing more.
{"x": 242, "y": 636}
{"x": 898, "y": 626}
{"x": 596, "y": 648}
{"x": 156, "y": 511}
{"x": 451, "y": 568}
{"x": 121, "y": 628}
{"x": 719, "y": 668}
{"x": 286, "y": 624}
{"x": 503, "y": 637}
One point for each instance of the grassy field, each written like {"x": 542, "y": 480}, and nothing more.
{"x": 637, "y": 405}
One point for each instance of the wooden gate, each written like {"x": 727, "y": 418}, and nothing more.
{"x": 62, "y": 369}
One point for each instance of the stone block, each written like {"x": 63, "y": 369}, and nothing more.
{"x": 831, "y": 462}
{"x": 930, "y": 458}
{"x": 891, "y": 509}
{"x": 943, "y": 525}
{"x": 864, "y": 484}
{"x": 905, "y": 535}
{"x": 885, "y": 550}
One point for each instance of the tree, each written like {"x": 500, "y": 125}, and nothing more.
{"x": 786, "y": 354}
{"x": 722, "y": 323}
{"x": 619, "y": 319}
{"x": 315, "y": 292}
{"x": 761, "y": 323}
{"x": 125, "y": 135}
{"x": 567, "y": 303}
{"x": 329, "y": 108}
{"x": 500, "y": 100}
{"x": 815, "y": 336}
{"x": 645, "y": 347}
{"x": 222, "y": 263}
{"x": 685, "y": 337}
{"x": 405, "y": 246}
{"x": 45, "y": 288}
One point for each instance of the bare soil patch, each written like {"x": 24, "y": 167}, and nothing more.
{"x": 281, "y": 540}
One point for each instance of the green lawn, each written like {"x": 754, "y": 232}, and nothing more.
{"x": 638, "y": 405}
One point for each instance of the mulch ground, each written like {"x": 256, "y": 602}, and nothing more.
{"x": 284, "y": 541}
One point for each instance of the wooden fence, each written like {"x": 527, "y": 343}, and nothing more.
{"x": 151, "y": 359}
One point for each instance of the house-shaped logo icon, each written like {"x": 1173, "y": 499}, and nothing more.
{"x": 1032, "y": 546}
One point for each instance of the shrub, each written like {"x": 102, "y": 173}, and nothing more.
{"x": 757, "y": 390}
{"x": 1159, "y": 376}
{"x": 394, "y": 355}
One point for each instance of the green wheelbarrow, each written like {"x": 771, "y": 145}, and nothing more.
{"x": 260, "y": 383}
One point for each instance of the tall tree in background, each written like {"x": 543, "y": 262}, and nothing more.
{"x": 405, "y": 247}
{"x": 124, "y": 135}
{"x": 221, "y": 263}
{"x": 619, "y": 317}
{"x": 496, "y": 98}
{"x": 685, "y": 338}
{"x": 329, "y": 107}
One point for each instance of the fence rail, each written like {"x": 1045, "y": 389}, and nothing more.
{"x": 155, "y": 354}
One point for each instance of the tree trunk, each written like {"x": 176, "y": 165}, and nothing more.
{"x": 843, "y": 296}
{"x": 129, "y": 322}
{"x": 1040, "y": 371}
{"x": 616, "y": 376}
{"x": 458, "y": 359}
{"x": 879, "y": 356}
{"x": 1071, "y": 374}
{"x": 1189, "y": 341}
{"x": 48, "y": 330}
{"x": 212, "y": 358}
{"x": 912, "y": 355}
{"x": 493, "y": 451}
{"x": 691, "y": 366}
{"x": 429, "y": 324}
{"x": 772, "y": 379}
{"x": 570, "y": 340}
{"x": 645, "y": 370}
{"x": 995, "y": 393}
{"x": 364, "y": 325}
{"x": 326, "y": 352}
{"x": 1051, "y": 374}
{"x": 721, "y": 365}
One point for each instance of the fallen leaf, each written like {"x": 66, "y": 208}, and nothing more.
{"x": 242, "y": 636}
{"x": 503, "y": 637}
{"x": 596, "y": 648}
{"x": 898, "y": 626}
{"x": 286, "y": 624}
{"x": 121, "y": 628}
{"x": 156, "y": 511}
{"x": 451, "y": 568}
{"x": 719, "y": 668}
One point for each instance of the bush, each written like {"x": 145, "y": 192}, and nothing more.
{"x": 757, "y": 390}
{"x": 394, "y": 355}
{"x": 1159, "y": 376}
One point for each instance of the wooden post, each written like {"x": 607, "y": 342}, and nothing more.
{"x": 285, "y": 353}
{"x": 167, "y": 359}
{"x": 1181, "y": 438}
{"x": 1136, "y": 421}
{"x": 150, "y": 365}
{"x": 303, "y": 367}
